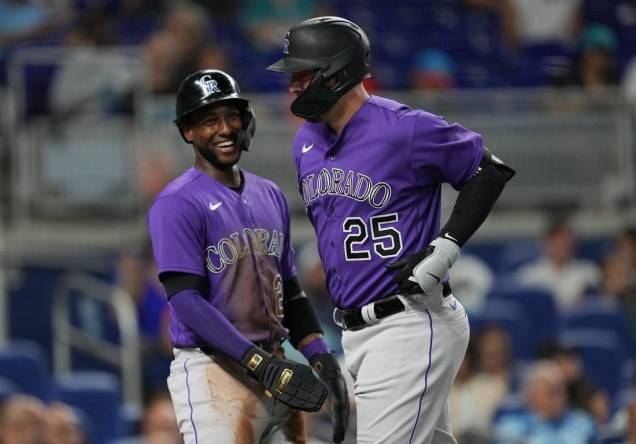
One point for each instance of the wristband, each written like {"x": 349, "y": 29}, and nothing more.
{"x": 315, "y": 347}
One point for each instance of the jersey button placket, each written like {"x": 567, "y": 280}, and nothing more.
{"x": 250, "y": 216}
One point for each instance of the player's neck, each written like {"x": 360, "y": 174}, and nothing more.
{"x": 230, "y": 177}
{"x": 338, "y": 116}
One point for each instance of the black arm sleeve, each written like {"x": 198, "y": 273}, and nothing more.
{"x": 477, "y": 197}
{"x": 174, "y": 282}
{"x": 298, "y": 314}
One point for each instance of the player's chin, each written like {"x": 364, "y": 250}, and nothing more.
{"x": 230, "y": 159}
{"x": 228, "y": 154}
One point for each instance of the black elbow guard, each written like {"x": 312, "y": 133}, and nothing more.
{"x": 490, "y": 161}
{"x": 477, "y": 197}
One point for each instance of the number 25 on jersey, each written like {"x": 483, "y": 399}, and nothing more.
{"x": 387, "y": 241}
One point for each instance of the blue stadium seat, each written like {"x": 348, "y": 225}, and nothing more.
{"x": 515, "y": 254}
{"x": 23, "y": 364}
{"x": 603, "y": 317}
{"x": 98, "y": 396}
{"x": 536, "y": 307}
{"x": 7, "y": 388}
{"x": 506, "y": 315}
{"x": 603, "y": 356}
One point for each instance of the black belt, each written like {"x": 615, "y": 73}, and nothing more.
{"x": 268, "y": 346}
{"x": 352, "y": 318}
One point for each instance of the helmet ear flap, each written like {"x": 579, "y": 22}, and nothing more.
{"x": 245, "y": 135}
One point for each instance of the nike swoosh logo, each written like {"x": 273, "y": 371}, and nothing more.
{"x": 306, "y": 147}
{"x": 213, "y": 207}
{"x": 433, "y": 276}
{"x": 447, "y": 236}
{"x": 454, "y": 305}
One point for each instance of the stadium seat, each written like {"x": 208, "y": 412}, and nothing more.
{"x": 536, "y": 306}
{"x": 7, "y": 388}
{"x": 603, "y": 356}
{"x": 604, "y": 317}
{"x": 24, "y": 365}
{"x": 98, "y": 396}
{"x": 515, "y": 254}
{"x": 503, "y": 314}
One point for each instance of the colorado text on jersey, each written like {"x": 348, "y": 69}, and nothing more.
{"x": 353, "y": 185}
{"x": 230, "y": 250}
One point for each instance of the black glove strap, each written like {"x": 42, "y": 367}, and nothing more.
{"x": 255, "y": 361}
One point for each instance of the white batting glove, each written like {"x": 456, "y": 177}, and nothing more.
{"x": 423, "y": 271}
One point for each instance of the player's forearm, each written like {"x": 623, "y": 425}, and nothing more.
{"x": 476, "y": 199}
{"x": 209, "y": 324}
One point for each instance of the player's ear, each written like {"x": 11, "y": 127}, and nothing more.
{"x": 187, "y": 132}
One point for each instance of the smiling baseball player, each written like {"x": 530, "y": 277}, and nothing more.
{"x": 221, "y": 240}
{"x": 370, "y": 172}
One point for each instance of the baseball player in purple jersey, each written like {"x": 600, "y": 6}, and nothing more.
{"x": 220, "y": 237}
{"x": 370, "y": 172}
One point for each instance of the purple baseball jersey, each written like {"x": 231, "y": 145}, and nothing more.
{"x": 238, "y": 240}
{"x": 373, "y": 193}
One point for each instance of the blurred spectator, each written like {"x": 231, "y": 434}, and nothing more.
{"x": 22, "y": 420}
{"x": 558, "y": 270}
{"x": 631, "y": 423}
{"x": 164, "y": 62}
{"x": 494, "y": 357}
{"x": 471, "y": 280}
{"x": 625, "y": 248}
{"x": 547, "y": 419}
{"x": 506, "y": 16}
{"x": 625, "y": 257}
{"x": 135, "y": 272}
{"x": 547, "y": 21}
{"x": 433, "y": 69}
{"x": 190, "y": 25}
{"x": 594, "y": 67}
{"x": 213, "y": 57}
{"x": 483, "y": 380}
{"x": 628, "y": 82}
{"x": 173, "y": 50}
{"x": 617, "y": 287}
{"x": 24, "y": 20}
{"x": 581, "y": 393}
{"x": 90, "y": 80}
{"x": 62, "y": 425}
{"x": 266, "y": 21}
{"x": 221, "y": 10}
{"x": 159, "y": 424}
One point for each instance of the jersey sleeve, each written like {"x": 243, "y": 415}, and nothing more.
{"x": 443, "y": 152}
{"x": 177, "y": 236}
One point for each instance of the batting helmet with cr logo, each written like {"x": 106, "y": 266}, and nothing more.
{"x": 212, "y": 87}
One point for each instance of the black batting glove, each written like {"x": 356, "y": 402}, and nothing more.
{"x": 289, "y": 382}
{"x": 328, "y": 369}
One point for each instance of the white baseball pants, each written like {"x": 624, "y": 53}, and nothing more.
{"x": 217, "y": 402}
{"x": 403, "y": 368}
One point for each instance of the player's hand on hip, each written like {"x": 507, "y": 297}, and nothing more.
{"x": 326, "y": 365}
{"x": 289, "y": 382}
{"x": 423, "y": 271}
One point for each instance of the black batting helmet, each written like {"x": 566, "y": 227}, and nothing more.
{"x": 337, "y": 48}
{"x": 208, "y": 87}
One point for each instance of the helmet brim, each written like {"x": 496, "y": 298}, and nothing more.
{"x": 292, "y": 64}
{"x": 235, "y": 98}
